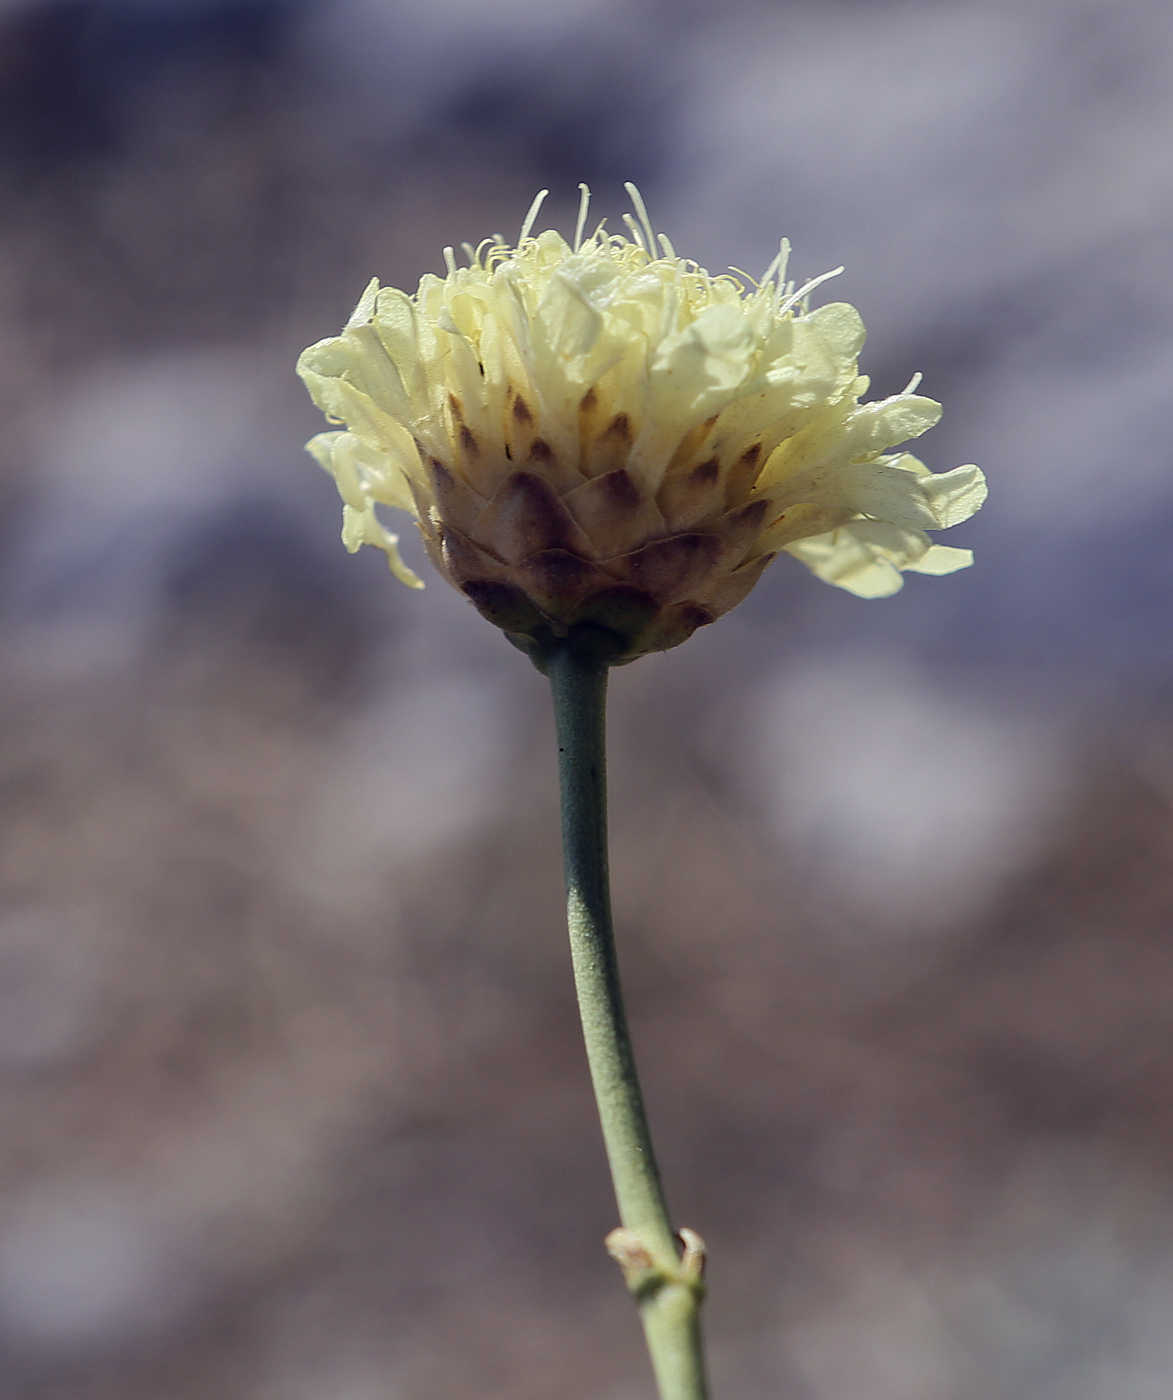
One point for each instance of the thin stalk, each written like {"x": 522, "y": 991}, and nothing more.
{"x": 667, "y": 1286}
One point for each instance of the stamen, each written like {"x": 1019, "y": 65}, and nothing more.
{"x": 777, "y": 268}
{"x": 584, "y": 199}
{"x": 531, "y": 217}
{"x": 642, "y": 210}
{"x": 747, "y": 277}
{"x": 666, "y": 244}
{"x": 450, "y": 260}
{"x": 913, "y": 384}
{"x": 807, "y": 288}
{"x": 470, "y": 253}
{"x": 636, "y": 232}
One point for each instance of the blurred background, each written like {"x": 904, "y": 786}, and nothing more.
{"x": 293, "y": 1102}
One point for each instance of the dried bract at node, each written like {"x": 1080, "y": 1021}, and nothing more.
{"x": 605, "y": 434}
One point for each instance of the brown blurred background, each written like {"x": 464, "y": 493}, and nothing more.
{"x": 293, "y": 1101}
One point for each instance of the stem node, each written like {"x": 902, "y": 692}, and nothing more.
{"x": 645, "y": 1276}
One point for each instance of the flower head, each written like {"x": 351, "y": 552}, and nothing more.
{"x": 604, "y": 433}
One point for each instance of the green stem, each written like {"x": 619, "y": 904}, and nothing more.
{"x": 667, "y": 1287}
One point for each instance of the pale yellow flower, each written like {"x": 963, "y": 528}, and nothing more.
{"x": 606, "y": 433}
